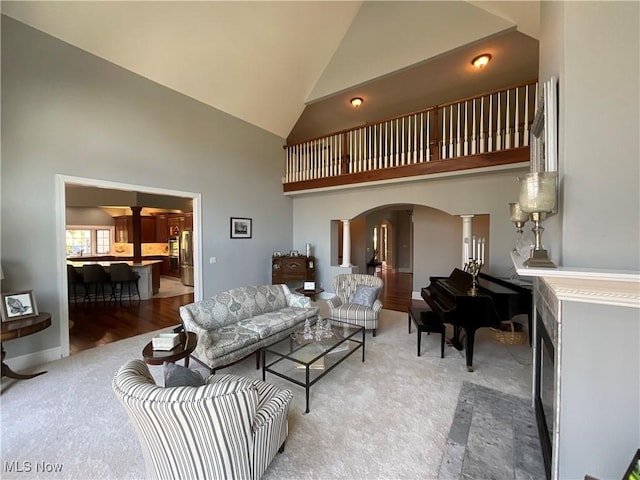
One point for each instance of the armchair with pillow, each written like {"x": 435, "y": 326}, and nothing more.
{"x": 357, "y": 300}
{"x": 220, "y": 428}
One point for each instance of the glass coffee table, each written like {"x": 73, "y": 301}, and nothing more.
{"x": 304, "y": 361}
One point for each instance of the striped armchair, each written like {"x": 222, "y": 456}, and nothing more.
{"x": 342, "y": 308}
{"x": 229, "y": 428}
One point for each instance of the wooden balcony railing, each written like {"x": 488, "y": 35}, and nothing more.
{"x": 486, "y": 130}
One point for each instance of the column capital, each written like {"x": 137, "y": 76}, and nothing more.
{"x": 467, "y": 216}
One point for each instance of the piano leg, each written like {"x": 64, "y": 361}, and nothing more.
{"x": 455, "y": 340}
{"x": 471, "y": 333}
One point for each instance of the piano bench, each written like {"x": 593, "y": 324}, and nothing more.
{"x": 427, "y": 321}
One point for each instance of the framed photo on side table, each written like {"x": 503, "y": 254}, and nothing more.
{"x": 240, "y": 227}
{"x": 18, "y": 305}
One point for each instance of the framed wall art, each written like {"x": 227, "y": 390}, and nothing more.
{"x": 241, "y": 227}
{"x": 18, "y": 305}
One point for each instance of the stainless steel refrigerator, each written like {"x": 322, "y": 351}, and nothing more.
{"x": 186, "y": 257}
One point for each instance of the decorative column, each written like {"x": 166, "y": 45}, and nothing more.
{"x": 346, "y": 243}
{"x": 137, "y": 234}
{"x": 467, "y": 233}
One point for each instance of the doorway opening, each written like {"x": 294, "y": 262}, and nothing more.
{"x": 140, "y": 315}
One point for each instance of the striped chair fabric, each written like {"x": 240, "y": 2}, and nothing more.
{"x": 341, "y": 308}
{"x": 230, "y": 428}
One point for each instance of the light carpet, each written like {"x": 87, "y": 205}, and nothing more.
{"x": 387, "y": 418}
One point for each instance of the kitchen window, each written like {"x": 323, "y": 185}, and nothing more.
{"x": 88, "y": 241}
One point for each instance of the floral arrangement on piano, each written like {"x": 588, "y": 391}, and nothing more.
{"x": 475, "y": 255}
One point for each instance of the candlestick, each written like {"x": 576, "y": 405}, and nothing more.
{"x": 473, "y": 266}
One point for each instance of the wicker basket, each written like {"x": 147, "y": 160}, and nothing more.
{"x": 510, "y": 333}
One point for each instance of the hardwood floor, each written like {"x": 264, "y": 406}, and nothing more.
{"x": 95, "y": 325}
{"x": 396, "y": 293}
{"x": 99, "y": 324}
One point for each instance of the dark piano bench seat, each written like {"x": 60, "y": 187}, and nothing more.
{"x": 427, "y": 321}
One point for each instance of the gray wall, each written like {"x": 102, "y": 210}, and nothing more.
{"x": 88, "y": 216}
{"x": 67, "y": 112}
{"x": 599, "y": 125}
{"x": 594, "y": 48}
{"x": 479, "y": 194}
{"x": 600, "y": 393}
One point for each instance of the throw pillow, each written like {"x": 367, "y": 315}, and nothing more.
{"x": 365, "y": 295}
{"x": 179, "y": 376}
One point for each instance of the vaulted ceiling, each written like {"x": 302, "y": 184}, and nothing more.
{"x": 291, "y": 67}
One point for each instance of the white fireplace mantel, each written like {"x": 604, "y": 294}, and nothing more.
{"x": 592, "y": 318}
{"x": 606, "y": 287}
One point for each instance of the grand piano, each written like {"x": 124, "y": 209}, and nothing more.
{"x": 497, "y": 301}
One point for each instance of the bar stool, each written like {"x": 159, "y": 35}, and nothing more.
{"x": 74, "y": 278}
{"x": 94, "y": 278}
{"x": 121, "y": 275}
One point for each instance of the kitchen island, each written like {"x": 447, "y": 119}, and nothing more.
{"x": 149, "y": 271}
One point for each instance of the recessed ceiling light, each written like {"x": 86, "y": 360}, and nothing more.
{"x": 481, "y": 60}
{"x": 356, "y": 102}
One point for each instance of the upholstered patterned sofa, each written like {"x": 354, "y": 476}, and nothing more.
{"x": 238, "y": 322}
{"x": 230, "y": 427}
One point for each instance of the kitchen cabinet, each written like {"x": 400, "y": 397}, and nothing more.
{"x": 165, "y": 268}
{"x": 124, "y": 229}
{"x": 162, "y": 229}
{"x": 177, "y": 222}
{"x": 174, "y": 225}
{"x": 148, "y": 229}
{"x": 156, "y": 271}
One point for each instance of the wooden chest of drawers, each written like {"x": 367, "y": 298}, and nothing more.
{"x": 288, "y": 269}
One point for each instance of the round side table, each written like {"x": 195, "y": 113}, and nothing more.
{"x": 21, "y": 328}
{"x": 310, "y": 293}
{"x": 187, "y": 345}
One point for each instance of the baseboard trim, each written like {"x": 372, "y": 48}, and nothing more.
{"x": 30, "y": 360}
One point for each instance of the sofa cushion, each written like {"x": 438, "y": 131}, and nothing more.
{"x": 230, "y": 338}
{"x": 354, "y": 312}
{"x": 270, "y": 323}
{"x": 179, "y": 376}
{"x": 365, "y": 295}
{"x": 241, "y": 303}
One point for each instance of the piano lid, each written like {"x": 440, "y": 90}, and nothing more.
{"x": 458, "y": 282}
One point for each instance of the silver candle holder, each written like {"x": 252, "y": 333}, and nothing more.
{"x": 519, "y": 218}
{"x": 538, "y": 198}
